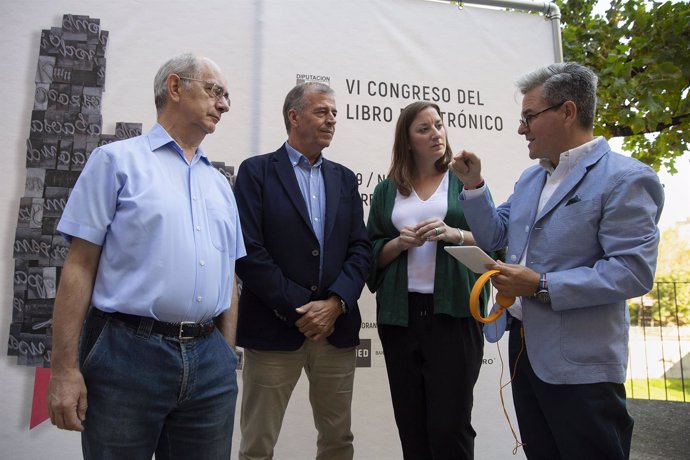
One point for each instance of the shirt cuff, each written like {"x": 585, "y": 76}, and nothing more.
{"x": 472, "y": 194}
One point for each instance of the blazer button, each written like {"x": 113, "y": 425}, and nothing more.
{"x": 314, "y": 288}
{"x": 513, "y": 258}
{"x": 315, "y": 252}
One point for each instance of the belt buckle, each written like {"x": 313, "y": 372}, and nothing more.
{"x": 185, "y": 337}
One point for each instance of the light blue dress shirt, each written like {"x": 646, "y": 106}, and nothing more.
{"x": 310, "y": 180}
{"x": 169, "y": 230}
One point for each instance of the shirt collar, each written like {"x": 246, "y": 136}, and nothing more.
{"x": 569, "y": 158}
{"x": 296, "y": 157}
{"x": 159, "y": 137}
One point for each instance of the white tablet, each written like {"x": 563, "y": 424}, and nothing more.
{"x": 472, "y": 257}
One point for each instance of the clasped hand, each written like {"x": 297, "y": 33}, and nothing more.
{"x": 426, "y": 230}
{"x": 318, "y": 318}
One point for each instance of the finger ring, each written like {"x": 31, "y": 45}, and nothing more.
{"x": 437, "y": 231}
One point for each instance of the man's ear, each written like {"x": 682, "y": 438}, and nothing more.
{"x": 174, "y": 85}
{"x": 570, "y": 110}
{"x": 292, "y": 117}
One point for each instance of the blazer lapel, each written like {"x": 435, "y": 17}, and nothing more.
{"x": 332, "y": 184}
{"x": 574, "y": 178}
{"x": 523, "y": 208}
{"x": 286, "y": 176}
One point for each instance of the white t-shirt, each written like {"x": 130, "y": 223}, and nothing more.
{"x": 409, "y": 211}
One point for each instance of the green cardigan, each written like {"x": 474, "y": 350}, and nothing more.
{"x": 452, "y": 281}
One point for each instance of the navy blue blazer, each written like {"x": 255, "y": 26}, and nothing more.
{"x": 281, "y": 269}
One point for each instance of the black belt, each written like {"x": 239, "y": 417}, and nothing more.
{"x": 182, "y": 330}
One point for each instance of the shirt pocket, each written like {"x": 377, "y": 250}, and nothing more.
{"x": 220, "y": 229}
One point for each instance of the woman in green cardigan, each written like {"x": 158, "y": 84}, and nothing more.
{"x": 432, "y": 346}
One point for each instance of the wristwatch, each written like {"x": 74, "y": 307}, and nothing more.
{"x": 542, "y": 295}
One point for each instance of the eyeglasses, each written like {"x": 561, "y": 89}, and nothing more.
{"x": 527, "y": 119}
{"x": 213, "y": 89}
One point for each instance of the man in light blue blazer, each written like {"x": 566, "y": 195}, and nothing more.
{"x": 582, "y": 237}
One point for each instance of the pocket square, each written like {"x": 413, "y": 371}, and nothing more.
{"x": 573, "y": 200}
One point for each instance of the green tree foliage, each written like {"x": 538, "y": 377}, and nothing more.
{"x": 673, "y": 274}
{"x": 669, "y": 301}
{"x": 674, "y": 252}
{"x": 639, "y": 50}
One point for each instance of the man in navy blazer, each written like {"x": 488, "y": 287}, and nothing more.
{"x": 582, "y": 236}
{"x": 308, "y": 256}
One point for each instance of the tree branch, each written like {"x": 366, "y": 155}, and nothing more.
{"x": 625, "y": 131}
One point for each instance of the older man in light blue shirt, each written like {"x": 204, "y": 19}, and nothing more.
{"x": 155, "y": 234}
{"x": 172, "y": 229}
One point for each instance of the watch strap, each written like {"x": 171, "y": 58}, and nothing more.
{"x": 543, "y": 286}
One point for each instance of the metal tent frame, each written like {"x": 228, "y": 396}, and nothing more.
{"x": 549, "y": 9}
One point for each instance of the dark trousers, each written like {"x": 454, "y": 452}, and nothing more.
{"x": 432, "y": 367}
{"x": 569, "y": 422}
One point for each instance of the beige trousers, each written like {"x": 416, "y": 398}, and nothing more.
{"x": 268, "y": 378}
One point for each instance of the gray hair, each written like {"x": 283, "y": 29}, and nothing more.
{"x": 566, "y": 81}
{"x": 185, "y": 65}
{"x": 296, "y": 99}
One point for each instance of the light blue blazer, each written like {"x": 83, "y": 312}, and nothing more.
{"x": 596, "y": 239}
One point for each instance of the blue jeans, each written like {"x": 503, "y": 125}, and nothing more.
{"x": 152, "y": 394}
